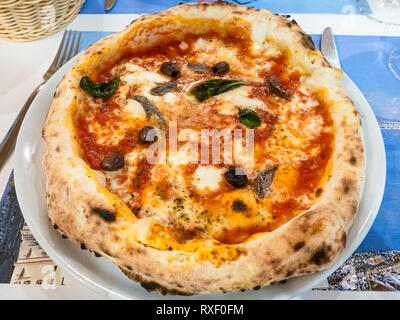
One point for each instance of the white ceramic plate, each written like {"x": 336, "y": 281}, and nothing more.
{"x": 103, "y": 276}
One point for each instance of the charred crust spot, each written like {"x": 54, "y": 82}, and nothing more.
{"x": 291, "y": 23}
{"x": 306, "y": 40}
{"x": 150, "y": 286}
{"x": 55, "y": 226}
{"x": 344, "y": 239}
{"x": 353, "y": 160}
{"x": 347, "y": 185}
{"x": 164, "y": 291}
{"x": 128, "y": 267}
{"x": 320, "y": 257}
{"x": 83, "y": 247}
{"x": 299, "y": 245}
{"x": 283, "y": 281}
{"x": 289, "y": 273}
{"x": 242, "y": 290}
{"x": 275, "y": 261}
{"x": 97, "y": 255}
{"x": 64, "y": 236}
{"x": 318, "y": 192}
{"x": 257, "y": 288}
{"x": 105, "y": 214}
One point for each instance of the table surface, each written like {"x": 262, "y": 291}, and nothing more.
{"x": 363, "y": 45}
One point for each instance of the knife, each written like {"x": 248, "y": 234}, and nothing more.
{"x": 108, "y": 4}
{"x": 328, "y": 48}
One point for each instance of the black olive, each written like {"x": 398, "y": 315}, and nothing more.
{"x": 147, "y": 135}
{"x": 239, "y": 205}
{"x": 170, "y": 69}
{"x": 113, "y": 161}
{"x": 221, "y": 67}
{"x": 236, "y": 177}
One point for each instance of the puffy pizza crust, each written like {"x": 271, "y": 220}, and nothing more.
{"x": 310, "y": 242}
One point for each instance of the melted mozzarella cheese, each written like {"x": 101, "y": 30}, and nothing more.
{"x": 135, "y": 109}
{"x": 145, "y": 80}
{"x": 238, "y": 97}
{"x": 207, "y": 178}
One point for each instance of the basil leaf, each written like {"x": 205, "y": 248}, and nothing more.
{"x": 213, "y": 87}
{"x": 100, "y": 90}
{"x": 249, "y": 118}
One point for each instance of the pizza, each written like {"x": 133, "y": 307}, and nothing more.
{"x": 206, "y": 148}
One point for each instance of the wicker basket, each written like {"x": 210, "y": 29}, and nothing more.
{"x": 26, "y": 20}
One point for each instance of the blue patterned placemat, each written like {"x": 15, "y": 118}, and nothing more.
{"x": 11, "y": 222}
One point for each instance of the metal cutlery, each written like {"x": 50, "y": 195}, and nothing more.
{"x": 108, "y": 4}
{"x": 328, "y": 48}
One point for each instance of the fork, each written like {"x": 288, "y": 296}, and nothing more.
{"x": 64, "y": 53}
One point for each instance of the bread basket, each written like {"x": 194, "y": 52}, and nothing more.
{"x": 27, "y": 20}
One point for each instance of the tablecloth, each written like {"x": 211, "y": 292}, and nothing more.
{"x": 376, "y": 263}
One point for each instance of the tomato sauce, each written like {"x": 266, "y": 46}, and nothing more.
{"x": 262, "y": 134}
{"x": 283, "y": 212}
{"x": 142, "y": 175}
{"x": 92, "y": 152}
{"x": 309, "y": 175}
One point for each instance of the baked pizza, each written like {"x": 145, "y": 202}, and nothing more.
{"x": 207, "y": 148}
